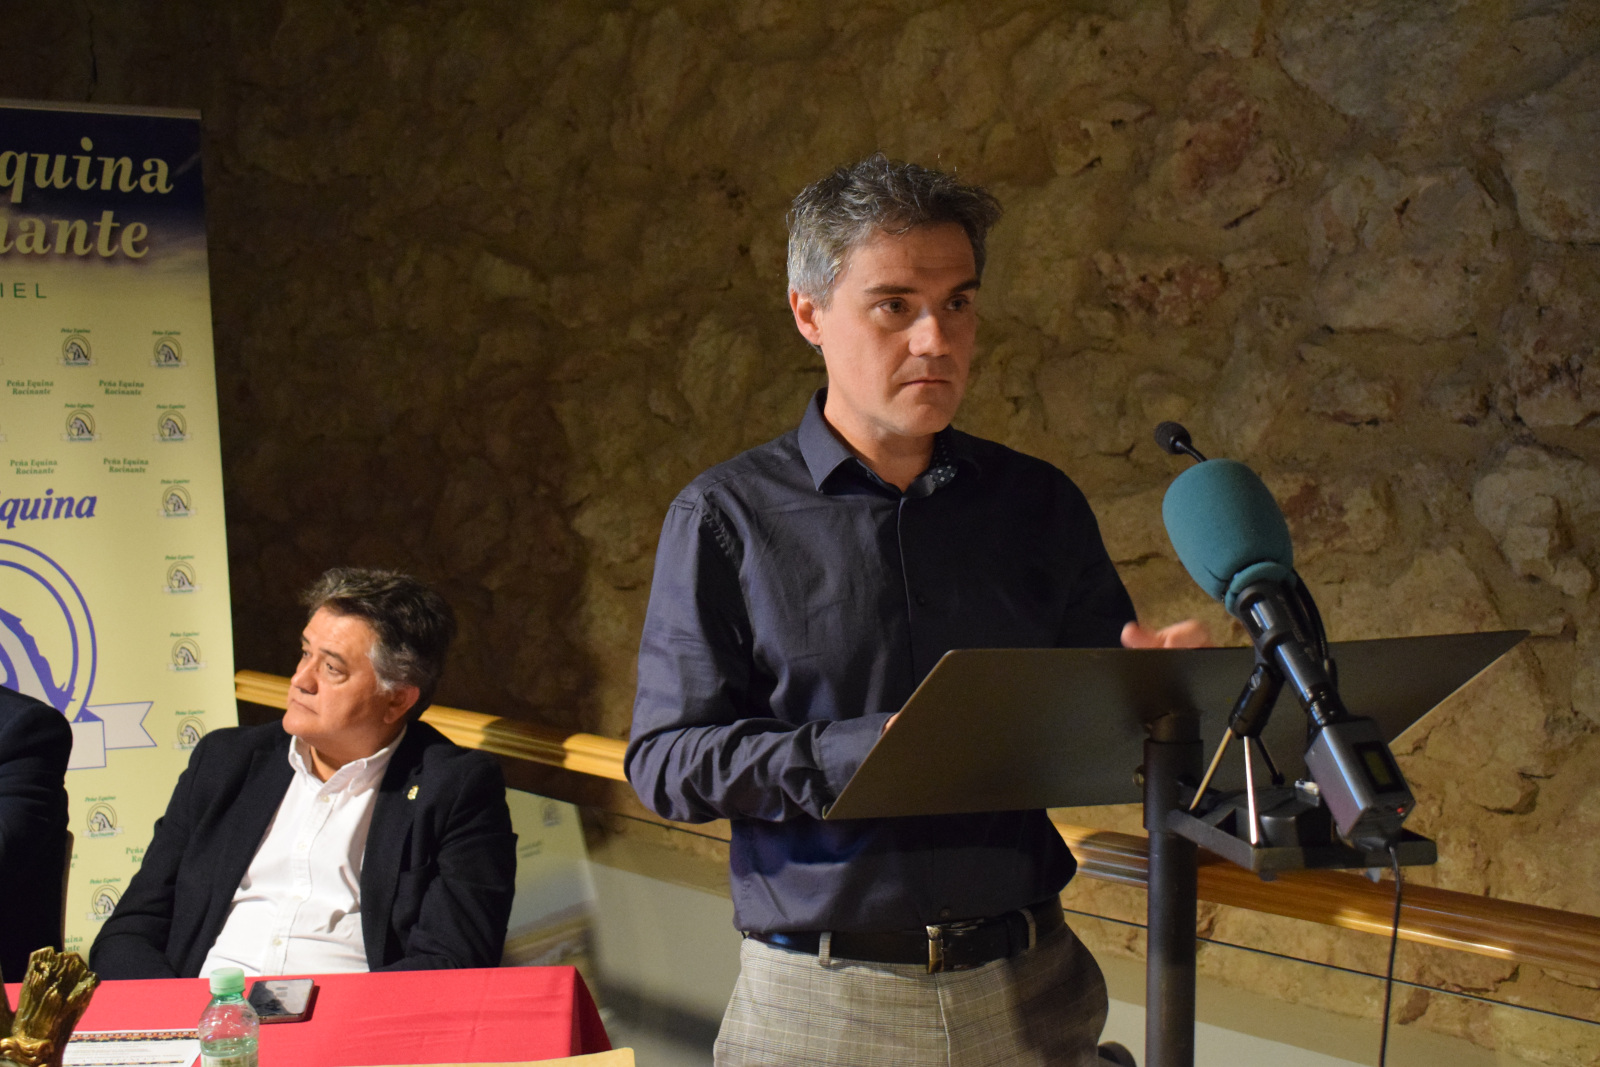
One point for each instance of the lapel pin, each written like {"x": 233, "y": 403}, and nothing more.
{"x": 411, "y": 794}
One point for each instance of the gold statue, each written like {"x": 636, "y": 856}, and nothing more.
{"x": 55, "y": 993}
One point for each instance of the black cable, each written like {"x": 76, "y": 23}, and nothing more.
{"x": 1394, "y": 943}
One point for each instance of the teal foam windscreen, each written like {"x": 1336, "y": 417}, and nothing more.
{"x": 1227, "y": 529}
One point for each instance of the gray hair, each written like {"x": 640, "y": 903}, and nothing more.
{"x": 832, "y": 216}
{"x": 411, "y": 624}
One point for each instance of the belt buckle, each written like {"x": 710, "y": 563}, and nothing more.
{"x": 936, "y": 944}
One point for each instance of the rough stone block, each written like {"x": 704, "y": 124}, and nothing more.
{"x": 1537, "y": 483}
{"x": 1551, "y": 345}
{"x": 1214, "y": 166}
{"x": 1528, "y": 549}
{"x": 1550, "y": 142}
{"x": 1537, "y": 503}
{"x": 1411, "y": 68}
{"x": 1586, "y": 678}
{"x": 1171, "y": 289}
{"x": 1225, "y": 27}
{"x": 1409, "y": 254}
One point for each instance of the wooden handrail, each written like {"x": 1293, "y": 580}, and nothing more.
{"x": 1502, "y": 929}
{"x": 1522, "y": 933}
{"x": 584, "y": 753}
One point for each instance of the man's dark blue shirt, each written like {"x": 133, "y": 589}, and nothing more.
{"x": 798, "y": 600}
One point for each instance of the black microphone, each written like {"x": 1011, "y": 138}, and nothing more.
{"x": 1174, "y": 440}
{"x": 1232, "y": 538}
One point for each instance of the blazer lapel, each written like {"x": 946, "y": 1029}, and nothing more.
{"x": 386, "y": 844}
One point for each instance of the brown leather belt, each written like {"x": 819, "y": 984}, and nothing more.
{"x": 946, "y": 947}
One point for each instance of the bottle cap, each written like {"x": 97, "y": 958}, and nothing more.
{"x": 226, "y": 980}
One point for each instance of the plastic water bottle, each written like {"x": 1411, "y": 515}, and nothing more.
{"x": 228, "y": 1028}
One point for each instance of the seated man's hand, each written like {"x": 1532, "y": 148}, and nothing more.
{"x": 1190, "y": 633}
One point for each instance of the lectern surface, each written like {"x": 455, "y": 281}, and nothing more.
{"x": 1005, "y": 729}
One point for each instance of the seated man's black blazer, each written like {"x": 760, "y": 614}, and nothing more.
{"x": 35, "y": 743}
{"x": 436, "y": 879}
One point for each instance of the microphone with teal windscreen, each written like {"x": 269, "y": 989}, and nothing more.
{"x": 1227, "y": 530}
{"x": 1232, "y": 538}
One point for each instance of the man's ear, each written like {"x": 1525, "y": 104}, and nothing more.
{"x": 807, "y": 317}
{"x": 401, "y": 700}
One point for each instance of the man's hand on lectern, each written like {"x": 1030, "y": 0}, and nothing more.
{"x": 1190, "y": 633}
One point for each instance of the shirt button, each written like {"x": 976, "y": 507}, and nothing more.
{"x": 277, "y": 941}
{"x": 944, "y": 913}
{"x": 920, "y": 600}
{"x": 327, "y": 800}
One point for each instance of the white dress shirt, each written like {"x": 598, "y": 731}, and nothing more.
{"x": 298, "y": 908}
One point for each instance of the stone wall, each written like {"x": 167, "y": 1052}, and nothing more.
{"x": 492, "y": 280}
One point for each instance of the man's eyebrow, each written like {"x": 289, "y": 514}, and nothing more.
{"x": 329, "y": 653}
{"x": 901, "y": 290}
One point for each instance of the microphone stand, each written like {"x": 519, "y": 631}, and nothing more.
{"x": 1178, "y": 823}
{"x": 1172, "y": 752}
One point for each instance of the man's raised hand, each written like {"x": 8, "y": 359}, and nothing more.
{"x": 1190, "y": 633}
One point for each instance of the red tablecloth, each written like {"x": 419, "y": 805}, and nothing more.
{"x": 484, "y": 1016}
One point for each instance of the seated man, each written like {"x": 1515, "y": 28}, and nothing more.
{"x": 35, "y": 742}
{"x": 352, "y": 838}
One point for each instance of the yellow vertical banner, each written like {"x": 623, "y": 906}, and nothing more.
{"x": 113, "y": 557}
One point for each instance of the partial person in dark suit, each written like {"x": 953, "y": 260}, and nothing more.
{"x": 35, "y": 742}
{"x": 352, "y": 837}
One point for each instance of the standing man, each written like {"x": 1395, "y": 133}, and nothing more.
{"x": 802, "y": 591}
{"x": 35, "y": 745}
{"x": 350, "y": 837}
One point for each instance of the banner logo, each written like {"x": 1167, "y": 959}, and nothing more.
{"x": 102, "y": 902}
{"x": 191, "y": 729}
{"x": 171, "y": 426}
{"x": 101, "y": 821}
{"x": 180, "y": 578}
{"x": 80, "y": 426}
{"x": 48, "y": 651}
{"x": 186, "y": 656}
{"x": 46, "y": 607}
{"x": 176, "y": 503}
{"x": 168, "y": 353}
{"x": 75, "y": 351}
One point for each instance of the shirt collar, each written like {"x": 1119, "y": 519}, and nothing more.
{"x": 357, "y": 774}
{"x": 824, "y": 453}
{"x": 941, "y": 466}
{"x": 820, "y": 447}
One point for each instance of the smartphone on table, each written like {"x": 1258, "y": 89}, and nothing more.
{"x": 283, "y": 1000}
